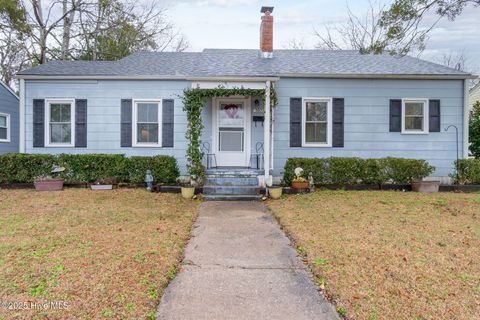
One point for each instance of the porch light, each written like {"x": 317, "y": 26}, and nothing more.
{"x": 149, "y": 180}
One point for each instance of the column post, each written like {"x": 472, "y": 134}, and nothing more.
{"x": 266, "y": 133}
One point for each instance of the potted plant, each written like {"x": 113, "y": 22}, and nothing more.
{"x": 420, "y": 172}
{"x": 104, "y": 184}
{"x": 299, "y": 182}
{"x": 50, "y": 182}
{"x": 188, "y": 189}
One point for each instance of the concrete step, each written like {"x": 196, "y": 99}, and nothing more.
{"x": 229, "y": 197}
{"x": 233, "y": 173}
{"x": 231, "y": 190}
{"x": 230, "y": 181}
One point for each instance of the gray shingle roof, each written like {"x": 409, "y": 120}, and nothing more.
{"x": 247, "y": 63}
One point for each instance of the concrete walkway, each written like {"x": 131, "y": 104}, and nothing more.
{"x": 240, "y": 265}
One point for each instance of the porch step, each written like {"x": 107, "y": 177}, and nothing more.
{"x": 231, "y": 190}
{"x": 222, "y": 197}
{"x": 231, "y": 181}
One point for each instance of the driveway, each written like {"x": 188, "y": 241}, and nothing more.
{"x": 239, "y": 265}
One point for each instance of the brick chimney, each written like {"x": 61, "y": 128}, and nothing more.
{"x": 266, "y": 33}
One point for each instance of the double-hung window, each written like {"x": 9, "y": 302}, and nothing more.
{"x": 415, "y": 116}
{"x": 317, "y": 122}
{"x": 147, "y": 123}
{"x": 60, "y": 120}
{"x": 4, "y": 127}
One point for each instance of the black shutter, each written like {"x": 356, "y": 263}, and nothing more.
{"x": 126, "y": 123}
{"x": 434, "y": 115}
{"x": 80, "y": 123}
{"x": 295, "y": 122}
{"x": 395, "y": 115}
{"x": 38, "y": 123}
{"x": 167, "y": 123}
{"x": 338, "y": 122}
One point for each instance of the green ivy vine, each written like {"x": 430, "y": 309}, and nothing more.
{"x": 193, "y": 103}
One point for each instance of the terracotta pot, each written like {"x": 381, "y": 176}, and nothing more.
{"x": 48, "y": 185}
{"x": 300, "y": 184}
{"x": 275, "y": 192}
{"x": 188, "y": 192}
{"x": 426, "y": 186}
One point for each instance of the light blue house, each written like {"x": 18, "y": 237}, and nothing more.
{"x": 330, "y": 103}
{"x": 9, "y": 120}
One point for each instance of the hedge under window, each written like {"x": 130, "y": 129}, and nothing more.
{"x": 147, "y": 120}
{"x": 415, "y": 115}
{"x": 60, "y": 119}
{"x": 4, "y": 127}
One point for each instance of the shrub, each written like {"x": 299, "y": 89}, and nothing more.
{"x": 164, "y": 169}
{"x": 474, "y": 130}
{"x": 336, "y": 170}
{"x": 468, "y": 171}
{"x": 91, "y": 167}
{"x": 22, "y": 168}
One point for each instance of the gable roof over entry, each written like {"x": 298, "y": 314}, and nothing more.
{"x": 236, "y": 63}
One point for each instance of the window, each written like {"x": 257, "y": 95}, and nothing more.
{"x": 4, "y": 127}
{"x": 415, "y": 116}
{"x": 147, "y": 120}
{"x": 60, "y": 122}
{"x": 317, "y": 122}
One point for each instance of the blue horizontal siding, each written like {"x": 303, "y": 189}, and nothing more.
{"x": 9, "y": 105}
{"x": 367, "y": 119}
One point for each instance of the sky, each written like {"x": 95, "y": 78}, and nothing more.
{"x": 235, "y": 24}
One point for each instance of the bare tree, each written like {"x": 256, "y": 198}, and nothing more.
{"x": 368, "y": 34}
{"x": 295, "y": 44}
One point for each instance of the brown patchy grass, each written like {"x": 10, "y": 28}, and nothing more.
{"x": 108, "y": 254}
{"x": 390, "y": 255}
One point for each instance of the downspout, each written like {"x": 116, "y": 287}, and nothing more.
{"x": 466, "y": 113}
{"x": 22, "y": 117}
{"x": 266, "y": 134}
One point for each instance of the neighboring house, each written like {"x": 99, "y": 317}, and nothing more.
{"x": 330, "y": 103}
{"x": 474, "y": 94}
{"x": 9, "y": 120}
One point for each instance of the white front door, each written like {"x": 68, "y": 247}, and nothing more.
{"x": 231, "y": 132}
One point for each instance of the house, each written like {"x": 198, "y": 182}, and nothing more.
{"x": 330, "y": 103}
{"x": 9, "y": 120}
{"x": 474, "y": 94}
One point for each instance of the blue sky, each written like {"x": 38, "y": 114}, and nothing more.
{"x": 235, "y": 24}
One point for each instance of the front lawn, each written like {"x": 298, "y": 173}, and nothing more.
{"x": 390, "y": 255}
{"x": 97, "y": 254}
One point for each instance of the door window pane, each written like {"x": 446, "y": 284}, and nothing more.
{"x": 231, "y": 141}
{"x": 231, "y": 115}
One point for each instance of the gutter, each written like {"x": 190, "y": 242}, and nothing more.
{"x": 379, "y": 76}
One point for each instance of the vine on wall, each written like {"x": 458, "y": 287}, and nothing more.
{"x": 193, "y": 102}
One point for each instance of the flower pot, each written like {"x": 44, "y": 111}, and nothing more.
{"x": 48, "y": 184}
{"x": 300, "y": 185}
{"x": 188, "y": 192}
{"x": 275, "y": 192}
{"x": 101, "y": 186}
{"x": 426, "y": 186}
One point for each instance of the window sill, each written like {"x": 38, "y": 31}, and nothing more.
{"x": 4, "y": 141}
{"x": 146, "y": 146}
{"x": 415, "y": 132}
{"x": 59, "y": 146}
{"x": 316, "y": 146}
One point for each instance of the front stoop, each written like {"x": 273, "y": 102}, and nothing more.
{"x": 231, "y": 185}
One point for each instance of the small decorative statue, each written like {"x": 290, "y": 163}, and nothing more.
{"x": 311, "y": 182}
{"x": 149, "y": 180}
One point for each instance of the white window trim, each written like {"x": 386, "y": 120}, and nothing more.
{"x": 329, "y": 122}
{"x": 49, "y": 102}
{"x": 135, "y": 103}
{"x": 8, "y": 127}
{"x": 426, "y": 116}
